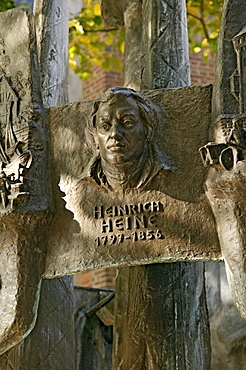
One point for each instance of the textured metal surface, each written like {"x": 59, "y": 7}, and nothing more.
{"x": 147, "y": 317}
{"x": 227, "y": 327}
{"x": 51, "y": 344}
{"x": 233, "y": 21}
{"x": 182, "y": 193}
{"x": 93, "y": 338}
{"x": 25, "y": 215}
{"x": 165, "y": 62}
{"x": 226, "y": 180}
{"x": 161, "y": 318}
{"x": 51, "y": 19}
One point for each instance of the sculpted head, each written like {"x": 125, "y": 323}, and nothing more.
{"x": 122, "y": 123}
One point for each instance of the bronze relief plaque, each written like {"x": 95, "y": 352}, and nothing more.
{"x": 132, "y": 180}
{"x": 25, "y": 198}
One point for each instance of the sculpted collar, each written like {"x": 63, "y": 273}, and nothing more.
{"x": 135, "y": 174}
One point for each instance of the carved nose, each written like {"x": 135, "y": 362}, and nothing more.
{"x": 116, "y": 133}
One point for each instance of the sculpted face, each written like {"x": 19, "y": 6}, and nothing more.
{"x": 120, "y": 132}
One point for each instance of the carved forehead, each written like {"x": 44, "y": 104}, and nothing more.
{"x": 115, "y": 94}
{"x": 120, "y": 105}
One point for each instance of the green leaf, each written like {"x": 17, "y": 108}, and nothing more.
{"x": 98, "y": 20}
{"x": 6, "y": 5}
{"x": 203, "y": 23}
{"x": 106, "y": 64}
{"x": 92, "y": 47}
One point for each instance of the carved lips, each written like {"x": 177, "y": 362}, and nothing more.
{"x": 115, "y": 147}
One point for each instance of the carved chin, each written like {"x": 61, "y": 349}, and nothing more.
{"x": 118, "y": 159}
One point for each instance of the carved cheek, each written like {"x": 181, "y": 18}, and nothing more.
{"x": 139, "y": 135}
{"x": 101, "y": 139}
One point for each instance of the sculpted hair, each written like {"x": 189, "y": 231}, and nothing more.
{"x": 146, "y": 108}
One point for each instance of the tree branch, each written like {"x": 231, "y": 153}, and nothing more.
{"x": 102, "y": 30}
{"x": 202, "y": 22}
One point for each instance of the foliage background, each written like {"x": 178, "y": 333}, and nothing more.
{"x": 6, "y": 5}
{"x": 93, "y": 43}
{"x": 203, "y": 24}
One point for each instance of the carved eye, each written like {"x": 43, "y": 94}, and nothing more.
{"x": 105, "y": 126}
{"x": 128, "y": 123}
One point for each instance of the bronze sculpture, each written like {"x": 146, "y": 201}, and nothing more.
{"x": 121, "y": 134}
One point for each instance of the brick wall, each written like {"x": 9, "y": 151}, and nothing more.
{"x": 102, "y": 278}
{"x": 102, "y": 81}
{"x": 201, "y": 74}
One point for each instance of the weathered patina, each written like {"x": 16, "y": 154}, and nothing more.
{"x": 135, "y": 196}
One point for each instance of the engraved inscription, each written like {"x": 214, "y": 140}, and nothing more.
{"x": 128, "y": 222}
{"x": 134, "y": 236}
{"x": 127, "y": 209}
